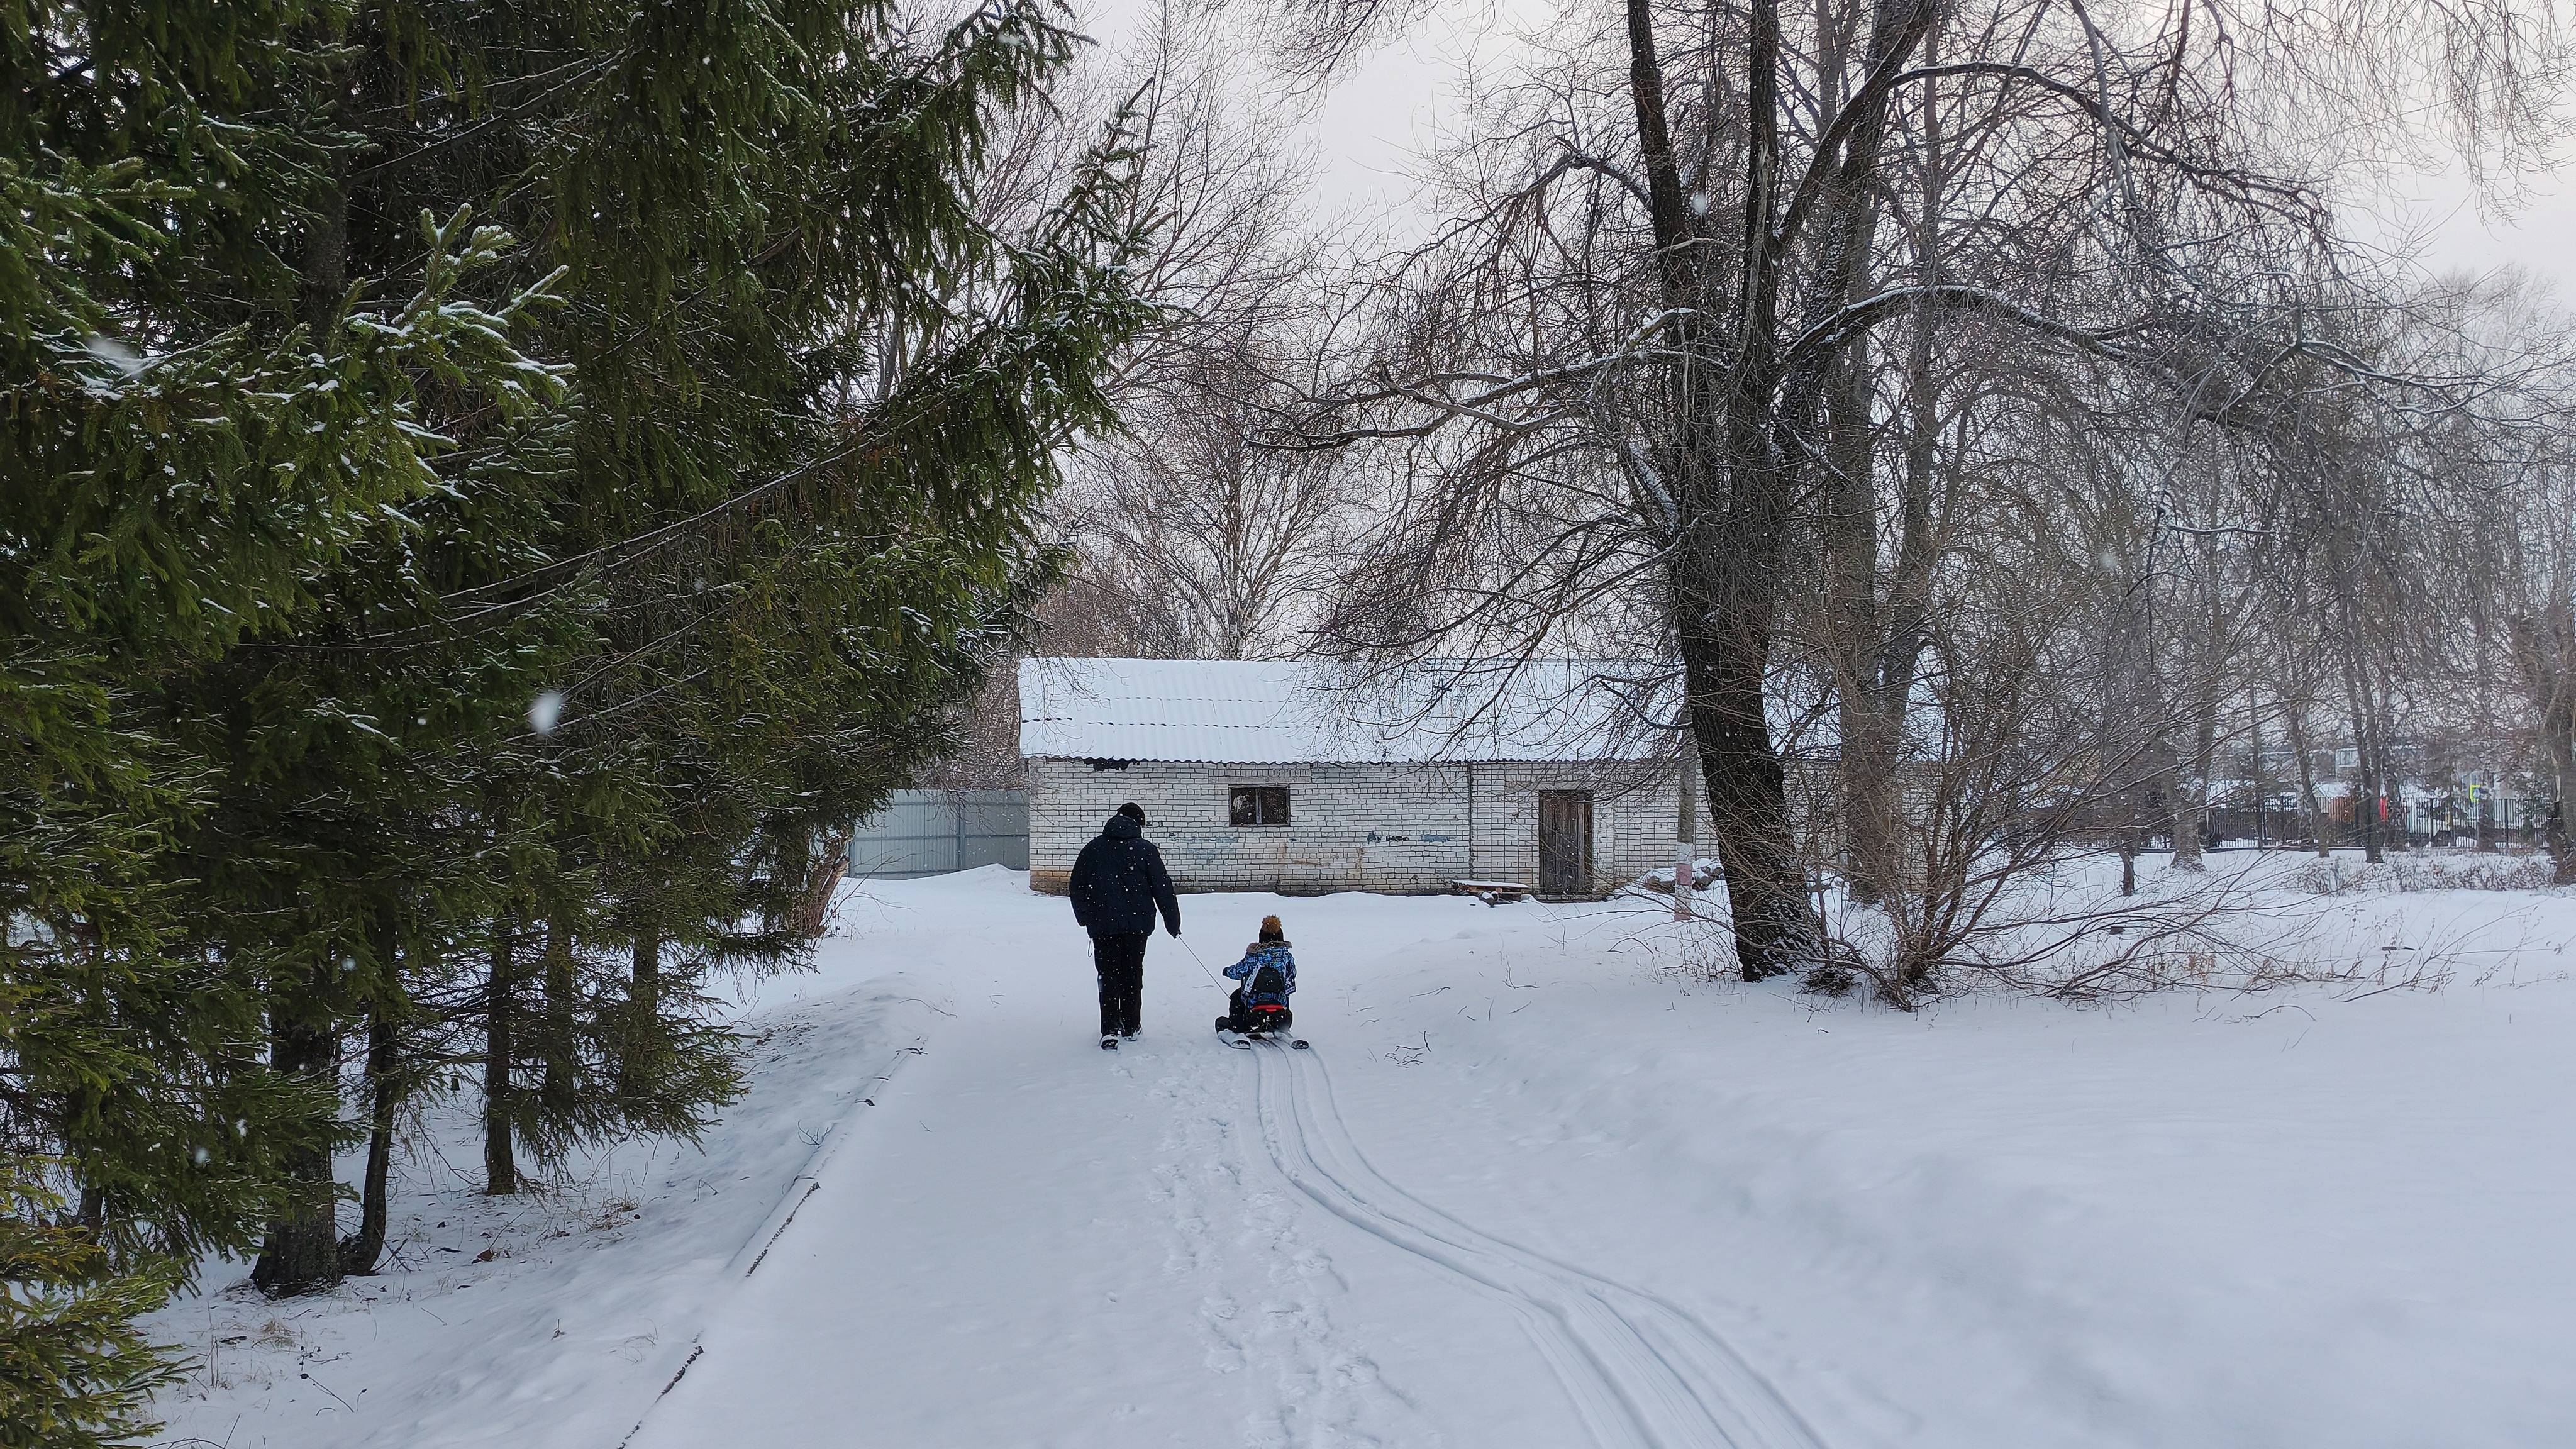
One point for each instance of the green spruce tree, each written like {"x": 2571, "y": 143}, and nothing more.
{"x": 583, "y": 710}
{"x": 194, "y": 442}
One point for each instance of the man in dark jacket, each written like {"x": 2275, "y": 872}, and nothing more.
{"x": 1118, "y": 881}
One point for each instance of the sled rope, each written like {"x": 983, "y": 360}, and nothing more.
{"x": 1203, "y": 966}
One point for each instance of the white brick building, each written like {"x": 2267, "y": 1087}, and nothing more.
{"x": 1258, "y": 775}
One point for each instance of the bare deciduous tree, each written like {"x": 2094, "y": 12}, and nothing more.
{"x": 1662, "y": 312}
{"x": 1189, "y": 540}
{"x": 1228, "y": 545}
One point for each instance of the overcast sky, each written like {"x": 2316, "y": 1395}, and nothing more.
{"x": 1372, "y": 127}
{"x": 2540, "y": 236}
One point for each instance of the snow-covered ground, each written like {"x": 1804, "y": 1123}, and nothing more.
{"x": 1537, "y": 1184}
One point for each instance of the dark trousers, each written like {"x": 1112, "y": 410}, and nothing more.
{"x": 1119, "y": 957}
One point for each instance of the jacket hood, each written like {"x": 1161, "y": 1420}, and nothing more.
{"x": 1257, "y": 947}
{"x": 1120, "y": 828}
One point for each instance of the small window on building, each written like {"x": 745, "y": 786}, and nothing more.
{"x": 1259, "y": 805}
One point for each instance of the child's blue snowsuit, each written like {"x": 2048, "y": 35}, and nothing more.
{"x": 1269, "y": 973}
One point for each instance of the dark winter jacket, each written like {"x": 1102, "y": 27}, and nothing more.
{"x": 1258, "y": 955}
{"x": 1119, "y": 879}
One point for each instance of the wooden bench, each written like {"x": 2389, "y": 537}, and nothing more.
{"x": 1492, "y": 892}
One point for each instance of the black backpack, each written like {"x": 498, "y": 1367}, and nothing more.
{"x": 1267, "y": 981}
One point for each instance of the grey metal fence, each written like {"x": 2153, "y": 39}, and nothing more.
{"x": 932, "y": 832}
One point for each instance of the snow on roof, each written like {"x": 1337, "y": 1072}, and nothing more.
{"x": 1281, "y": 712}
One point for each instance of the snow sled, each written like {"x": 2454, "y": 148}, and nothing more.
{"x": 1244, "y": 1037}
{"x": 1259, "y": 1006}
{"x": 1257, "y": 1020}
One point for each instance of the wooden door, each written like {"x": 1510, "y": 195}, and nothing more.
{"x": 1565, "y": 842}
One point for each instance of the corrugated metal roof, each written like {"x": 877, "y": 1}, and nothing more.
{"x": 1273, "y": 711}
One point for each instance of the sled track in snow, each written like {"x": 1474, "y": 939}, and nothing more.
{"x": 1643, "y": 1373}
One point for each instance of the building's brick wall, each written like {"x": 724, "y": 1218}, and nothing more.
{"x": 1352, "y": 827}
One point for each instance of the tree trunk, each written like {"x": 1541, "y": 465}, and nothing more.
{"x": 556, "y": 1088}
{"x": 2128, "y": 740}
{"x": 2392, "y": 781}
{"x": 1748, "y": 810}
{"x": 358, "y": 1253}
{"x": 2295, "y": 717}
{"x": 2350, "y": 640}
{"x": 2182, "y": 821}
{"x": 644, "y": 1011}
{"x": 1873, "y": 645}
{"x": 500, "y": 1010}
{"x": 1742, "y": 426}
{"x": 2370, "y": 801}
{"x": 1881, "y": 634}
{"x": 2368, "y": 783}
{"x": 2191, "y": 797}
{"x": 1730, "y": 493}
{"x": 2191, "y": 788}
{"x": 302, "y": 1251}
{"x": 1726, "y": 592}
{"x": 1685, "y": 829}
{"x": 1902, "y": 622}
{"x": 2547, "y": 646}
{"x": 324, "y": 267}
{"x": 2130, "y": 844}
{"x": 2262, "y": 787}
{"x": 814, "y": 912}
{"x": 1850, "y": 537}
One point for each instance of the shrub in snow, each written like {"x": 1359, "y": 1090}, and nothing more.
{"x": 2427, "y": 872}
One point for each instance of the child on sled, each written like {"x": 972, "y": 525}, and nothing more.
{"x": 1268, "y": 973}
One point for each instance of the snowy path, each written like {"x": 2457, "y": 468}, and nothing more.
{"x": 1029, "y": 1241}
{"x": 1532, "y": 1188}
{"x": 1111, "y": 1258}
{"x": 1642, "y": 1371}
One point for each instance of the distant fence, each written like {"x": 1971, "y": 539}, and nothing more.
{"x": 932, "y": 832}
